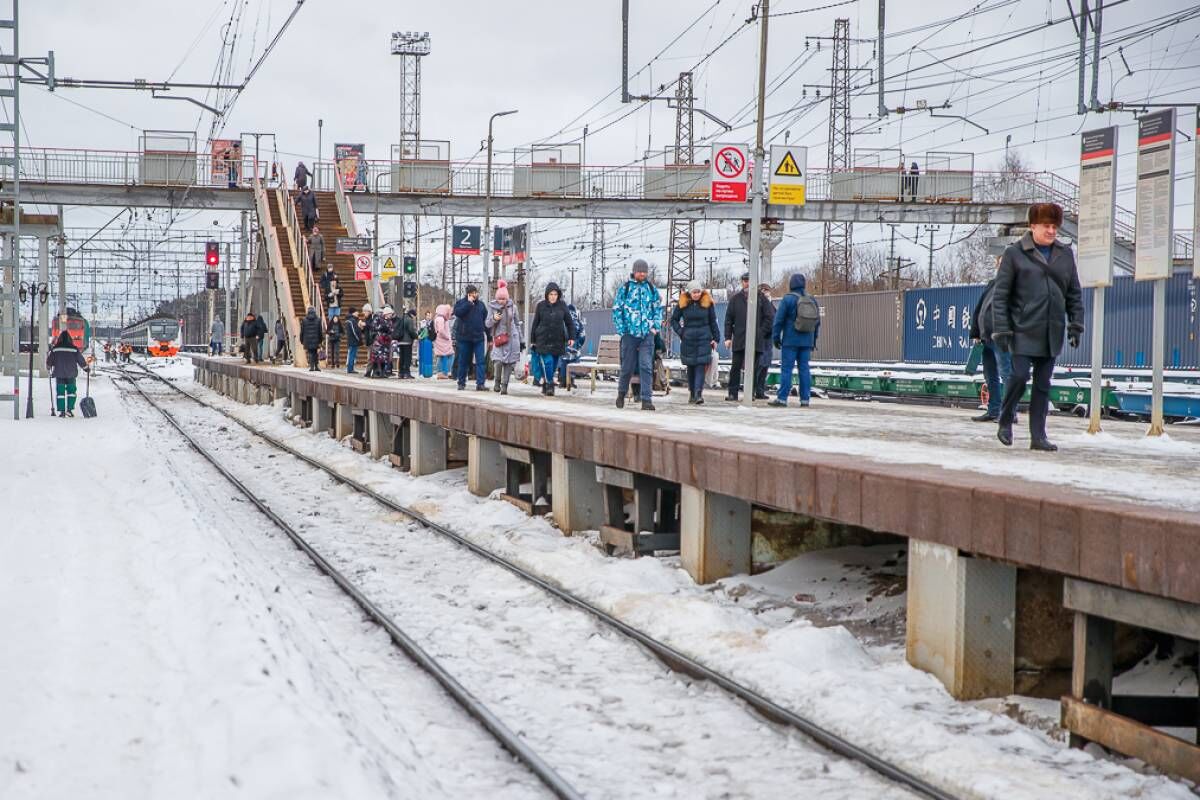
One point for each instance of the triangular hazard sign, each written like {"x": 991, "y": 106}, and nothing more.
{"x": 389, "y": 264}
{"x": 788, "y": 168}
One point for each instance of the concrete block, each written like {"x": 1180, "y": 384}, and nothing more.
{"x": 714, "y": 534}
{"x": 576, "y": 497}
{"x": 381, "y": 432}
{"x": 428, "y": 448}
{"x": 961, "y": 620}
{"x": 485, "y": 466}
{"x": 343, "y": 421}
{"x": 322, "y": 416}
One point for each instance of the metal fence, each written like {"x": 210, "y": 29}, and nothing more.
{"x": 125, "y": 168}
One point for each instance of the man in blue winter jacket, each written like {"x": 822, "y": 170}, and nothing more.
{"x": 797, "y": 325}
{"x": 637, "y": 315}
{"x": 471, "y": 339}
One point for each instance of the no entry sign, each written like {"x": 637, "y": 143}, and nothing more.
{"x": 729, "y": 173}
{"x": 363, "y": 268}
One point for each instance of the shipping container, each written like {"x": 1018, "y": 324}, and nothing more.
{"x": 937, "y": 325}
{"x": 867, "y": 326}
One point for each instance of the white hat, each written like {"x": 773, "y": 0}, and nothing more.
{"x": 367, "y": 307}
{"x": 693, "y": 286}
{"x": 387, "y": 310}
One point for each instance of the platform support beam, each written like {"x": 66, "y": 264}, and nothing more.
{"x": 343, "y": 421}
{"x": 322, "y": 416}
{"x": 381, "y": 434}
{"x": 714, "y": 534}
{"x": 485, "y": 466}
{"x": 961, "y": 620}
{"x": 576, "y": 497}
{"x": 428, "y": 448}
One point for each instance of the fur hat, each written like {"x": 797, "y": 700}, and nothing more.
{"x": 1046, "y": 214}
{"x": 501, "y": 291}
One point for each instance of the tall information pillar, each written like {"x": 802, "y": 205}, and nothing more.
{"x": 1097, "y": 201}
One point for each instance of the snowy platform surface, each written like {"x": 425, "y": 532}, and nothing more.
{"x": 160, "y": 640}
{"x": 1116, "y": 508}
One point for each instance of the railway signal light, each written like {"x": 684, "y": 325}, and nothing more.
{"x": 212, "y": 254}
{"x": 410, "y": 265}
{"x": 212, "y": 280}
{"x": 410, "y": 289}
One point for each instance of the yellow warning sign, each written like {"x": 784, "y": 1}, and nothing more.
{"x": 389, "y": 269}
{"x": 787, "y": 182}
{"x": 787, "y": 168}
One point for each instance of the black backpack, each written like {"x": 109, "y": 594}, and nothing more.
{"x": 808, "y": 314}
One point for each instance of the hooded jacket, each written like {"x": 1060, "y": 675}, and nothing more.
{"x": 784, "y": 330}
{"x": 471, "y": 317}
{"x": 64, "y": 360}
{"x": 310, "y": 330}
{"x": 637, "y": 308}
{"x": 551, "y": 327}
{"x": 509, "y": 323}
{"x": 250, "y": 327}
{"x": 404, "y": 331}
{"x": 1037, "y": 300}
{"x": 443, "y": 345}
{"x": 735, "y": 321}
{"x": 695, "y": 323}
{"x": 356, "y": 335}
{"x": 308, "y": 204}
{"x": 216, "y": 332}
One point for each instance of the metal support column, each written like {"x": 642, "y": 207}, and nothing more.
{"x": 10, "y": 199}
{"x": 838, "y": 236}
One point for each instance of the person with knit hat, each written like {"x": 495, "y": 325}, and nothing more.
{"x": 1036, "y": 300}
{"x": 694, "y": 321}
{"x": 637, "y": 315}
{"x": 505, "y": 325}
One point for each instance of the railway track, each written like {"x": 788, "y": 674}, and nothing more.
{"x": 675, "y": 660}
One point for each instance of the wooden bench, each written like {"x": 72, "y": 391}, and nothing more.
{"x": 608, "y": 359}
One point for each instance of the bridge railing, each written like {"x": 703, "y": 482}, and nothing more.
{"x": 142, "y": 168}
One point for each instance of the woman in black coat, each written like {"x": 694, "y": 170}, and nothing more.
{"x": 695, "y": 323}
{"x": 311, "y": 336}
{"x": 550, "y": 333}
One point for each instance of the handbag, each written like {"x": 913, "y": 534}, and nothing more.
{"x": 974, "y": 359}
{"x": 501, "y": 339}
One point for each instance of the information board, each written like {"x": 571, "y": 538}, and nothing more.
{"x": 363, "y": 268}
{"x": 788, "y": 175}
{"x": 729, "y": 173}
{"x": 1196, "y": 201}
{"x": 1097, "y": 200}
{"x": 353, "y": 244}
{"x": 1155, "y": 195}
{"x": 466, "y": 240}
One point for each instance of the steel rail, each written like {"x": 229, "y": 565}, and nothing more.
{"x": 471, "y": 704}
{"x": 668, "y": 655}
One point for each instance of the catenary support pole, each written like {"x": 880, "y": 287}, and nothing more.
{"x": 756, "y": 212}
{"x": 882, "y": 110}
{"x": 1158, "y": 326}
{"x": 1097, "y": 401}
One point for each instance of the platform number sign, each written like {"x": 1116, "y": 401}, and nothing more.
{"x": 466, "y": 240}
{"x": 729, "y": 173}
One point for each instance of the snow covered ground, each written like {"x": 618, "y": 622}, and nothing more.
{"x": 875, "y": 700}
{"x": 159, "y": 640}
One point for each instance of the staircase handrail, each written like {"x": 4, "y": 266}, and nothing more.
{"x": 308, "y": 282}
{"x": 275, "y": 256}
{"x": 346, "y": 213}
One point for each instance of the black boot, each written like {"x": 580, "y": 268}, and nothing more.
{"x": 550, "y": 389}
{"x": 1004, "y": 434}
{"x": 691, "y": 398}
{"x": 731, "y": 396}
{"x": 984, "y": 417}
{"x": 1043, "y": 444}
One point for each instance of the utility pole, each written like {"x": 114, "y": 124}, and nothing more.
{"x": 257, "y": 137}
{"x": 572, "y": 270}
{"x": 710, "y": 261}
{"x": 411, "y": 47}
{"x": 892, "y": 260}
{"x": 930, "y": 229}
{"x": 756, "y": 208}
{"x": 837, "y": 241}
{"x": 681, "y": 253}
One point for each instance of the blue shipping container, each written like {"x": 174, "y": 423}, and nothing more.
{"x": 938, "y": 322}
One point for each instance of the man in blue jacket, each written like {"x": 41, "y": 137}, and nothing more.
{"x": 637, "y": 315}
{"x": 797, "y": 325}
{"x": 471, "y": 339}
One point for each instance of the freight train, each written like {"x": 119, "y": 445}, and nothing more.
{"x": 158, "y": 335}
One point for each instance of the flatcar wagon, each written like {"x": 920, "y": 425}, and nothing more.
{"x": 79, "y": 328}
{"x": 156, "y": 336}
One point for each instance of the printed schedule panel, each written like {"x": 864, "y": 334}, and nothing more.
{"x": 1155, "y": 195}
{"x": 1097, "y": 199}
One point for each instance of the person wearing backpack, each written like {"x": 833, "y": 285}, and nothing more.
{"x": 797, "y": 325}
{"x": 997, "y": 364}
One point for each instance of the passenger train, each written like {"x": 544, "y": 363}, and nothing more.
{"x": 79, "y": 328}
{"x": 158, "y": 335}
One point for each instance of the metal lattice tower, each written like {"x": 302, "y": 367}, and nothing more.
{"x": 10, "y": 203}
{"x": 838, "y": 238}
{"x": 599, "y": 267}
{"x": 411, "y": 47}
{"x": 681, "y": 250}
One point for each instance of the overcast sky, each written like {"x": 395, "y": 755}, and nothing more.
{"x": 556, "y": 60}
